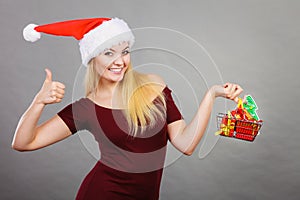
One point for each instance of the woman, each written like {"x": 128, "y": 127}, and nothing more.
{"x": 131, "y": 115}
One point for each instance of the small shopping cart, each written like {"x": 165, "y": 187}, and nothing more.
{"x": 237, "y": 128}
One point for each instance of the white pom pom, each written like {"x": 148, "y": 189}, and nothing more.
{"x": 30, "y": 34}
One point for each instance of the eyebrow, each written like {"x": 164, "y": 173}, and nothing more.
{"x": 115, "y": 50}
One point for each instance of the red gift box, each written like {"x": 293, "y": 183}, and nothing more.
{"x": 239, "y": 128}
{"x": 238, "y": 123}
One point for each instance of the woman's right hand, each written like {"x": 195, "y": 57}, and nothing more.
{"x": 29, "y": 135}
{"x": 51, "y": 91}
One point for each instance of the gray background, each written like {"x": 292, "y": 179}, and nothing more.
{"x": 253, "y": 42}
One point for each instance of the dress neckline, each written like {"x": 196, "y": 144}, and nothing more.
{"x": 101, "y": 106}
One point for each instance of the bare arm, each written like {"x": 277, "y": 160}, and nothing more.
{"x": 186, "y": 137}
{"x": 28, "y": 135}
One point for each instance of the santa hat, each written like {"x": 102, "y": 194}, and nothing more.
{"x": 94, "y": 35}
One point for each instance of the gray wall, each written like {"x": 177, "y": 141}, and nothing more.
{"x": 254, "y": 43}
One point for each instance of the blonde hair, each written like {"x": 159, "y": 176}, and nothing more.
{"x": 144, "y": 100}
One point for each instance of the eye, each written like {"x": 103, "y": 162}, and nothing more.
{"x": 108, "y": 53}
{"x": 125, "y": 52}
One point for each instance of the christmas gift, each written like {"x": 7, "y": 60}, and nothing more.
{"x": 241, "y": 123}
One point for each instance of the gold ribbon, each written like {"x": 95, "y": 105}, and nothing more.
{"x": 226, "y": 128}
{"x": 241, "y": 106}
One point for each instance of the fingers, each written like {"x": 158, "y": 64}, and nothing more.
{"x": 59, "y": 85}
{"x": 57, "y": 91}
{"x": 237, "y": 93}
{"x": 51, "y": 91}
{"x": 232, "y": 91}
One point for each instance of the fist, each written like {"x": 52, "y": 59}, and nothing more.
{"x": 51, "y": 91}
{"x": 229, "y": 90}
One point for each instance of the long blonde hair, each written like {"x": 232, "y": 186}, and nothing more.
{"x": 137, "y": 94}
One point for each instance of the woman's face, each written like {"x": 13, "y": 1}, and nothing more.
{"x": 113, "y": 63}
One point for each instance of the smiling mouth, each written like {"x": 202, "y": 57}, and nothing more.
{"x": 116, "y": 69}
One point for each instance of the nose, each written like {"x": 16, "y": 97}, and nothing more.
{"x": 119, "y": 61}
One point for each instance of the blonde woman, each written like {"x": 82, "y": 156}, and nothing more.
{"x": 131, "y": 115}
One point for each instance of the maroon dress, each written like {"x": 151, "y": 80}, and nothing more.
{"x": 129, "y": 167}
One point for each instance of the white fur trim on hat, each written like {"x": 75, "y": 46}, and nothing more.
{"x": 30, "y": 34}
{"x": 108, "y": 34}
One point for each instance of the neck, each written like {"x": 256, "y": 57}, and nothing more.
{"x": 107, "y": 87}
{"x": 108, "y": 93}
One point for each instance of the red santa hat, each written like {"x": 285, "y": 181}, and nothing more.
{"x": 94, "y": 35}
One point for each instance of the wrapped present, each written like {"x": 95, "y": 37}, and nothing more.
{"x": 227, "y": 126}
{"x": 241, "y": 123}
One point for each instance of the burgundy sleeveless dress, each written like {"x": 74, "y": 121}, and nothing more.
{"x": 130, "y": 168}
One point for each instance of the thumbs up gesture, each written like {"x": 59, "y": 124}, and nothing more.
{"x": 51, "y": 91}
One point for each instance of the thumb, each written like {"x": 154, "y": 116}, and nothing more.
{"x": 48, "y": 75}
{"x": 236, "y": 100}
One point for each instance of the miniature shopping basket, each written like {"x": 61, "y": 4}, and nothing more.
{"x": 237, "y": 128}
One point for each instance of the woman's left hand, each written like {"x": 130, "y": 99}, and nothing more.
{"x": 228, "y": 90}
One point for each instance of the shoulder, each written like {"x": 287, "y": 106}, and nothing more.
{"x": 156, "y": 79}
{"x": 84, "y": 101}
{"x": 82, "y": 104}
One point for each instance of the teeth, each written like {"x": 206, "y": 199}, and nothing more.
{"x": 115, "y": 69}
